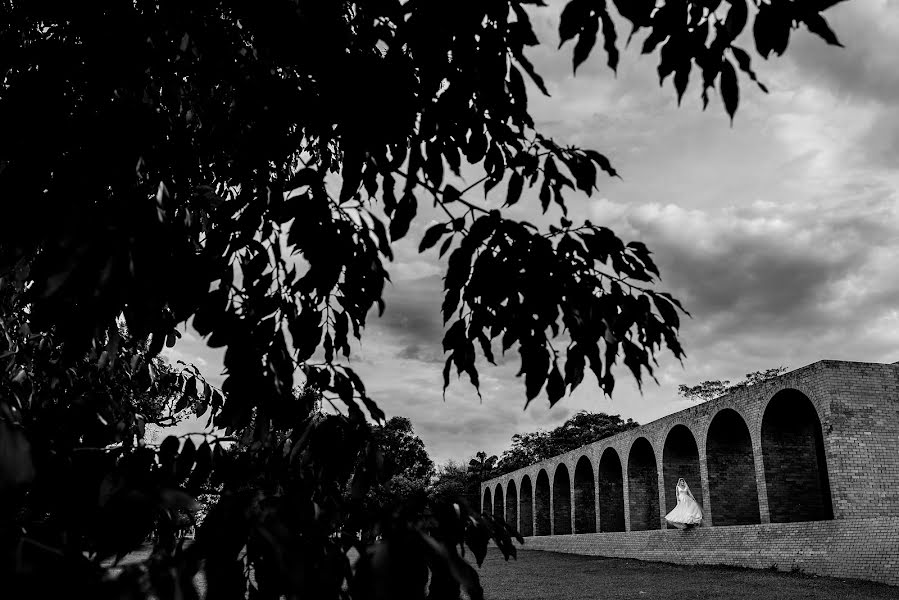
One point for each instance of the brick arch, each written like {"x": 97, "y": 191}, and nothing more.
{"x": 561, "y": 500}
{"x": 680, "y": 458}
{"x": 512, "y": 504}
{"x": 487, "y": 505}
{"x": 584, "y": 497}
{"x": 795, "y": 464}
{"x": 498, "y": 504}
{"x": 643, "y": 486}
{"x": 526, "y": 507}
{"x": 611, "y": 492}
{"x": 733, "y": 492}
{"x": 542, "y": 504}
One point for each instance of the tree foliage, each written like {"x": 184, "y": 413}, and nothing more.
{"x": 481, "y": 466}
{"x": 709, "y": 390}
{"x": 247, "y": 166}
{"x": 454, "y": 481}
{"x": 404, "y": 452}
{"x": 580, "y": 429}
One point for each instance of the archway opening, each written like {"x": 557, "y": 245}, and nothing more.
{"x": 561, "y": 501}
{"x": 512, "y": 505}
{"x": 541, "y": 504}
{"x": 611, "y": 492}
{"x": 498, "y": 504}
{"x": 643, "y": 486}
{"x": 488, "y": 502}
{"x": 733, "y": 493}
{"x": 795, "y": 465}
{"x": 526, "y": 507}
{"x": 680, "y": 459}
{"x": 584, "y": 497}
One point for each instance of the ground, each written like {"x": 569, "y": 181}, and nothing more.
{"x": 554, "y": 576}
{"x": 539, "y": 575}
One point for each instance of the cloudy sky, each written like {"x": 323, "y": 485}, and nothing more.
{"x": 780, "y": 234}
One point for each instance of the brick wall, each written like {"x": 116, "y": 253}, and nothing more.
{"x": 642, "y": 479}
{"x": 795, "y": 470}
{"x": 584, "y": 498}
{"x": 561, "y": 501}
{"x": 526, "y": 507}
{"x": 850, "y": 548}
{"x": 542, "y": 506}
{"x": 611, "y": 493}
{"x": 817, "y": 443}
{"x": 733, "y": 492}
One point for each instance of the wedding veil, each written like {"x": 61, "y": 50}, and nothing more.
{"x": 686, "y": 487}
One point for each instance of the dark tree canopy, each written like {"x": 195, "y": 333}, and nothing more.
{"x": 481, "y": 466}
{"x": 580, "y": 429}
{"x": 246, "y": 167}
{"x": 454, "y": 481}
{"x": 404, "y": 451}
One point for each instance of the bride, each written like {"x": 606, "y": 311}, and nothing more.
{"x": 687, "y": 513}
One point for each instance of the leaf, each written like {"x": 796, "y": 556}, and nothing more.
{"x": 585, "y": 42}
{"x": 730, "y": 92}
{"x": 744, "y": 62}
{"x": 202, "y": 469}
{"x": 682, "y": 78}
{"x": 402, "y": 217}
{"x": 460, "y": 570}
{"x": 572, "y": 19}
{"x": 534, "y": 364}
{"x": 555, "y": 385}
{"x": 16, "y": 467}
{"x": 818, "y": 25}
{"x": 574, "y": 367}
{"x": 609, "y": 37}
{"x": 432, "y": 236}
{"x": 445, "y": 246}
{"x": 516, "y": 184}
{"x": 182, "y": 403}
{"x": 529, "y": 69}
{"x": 185, "y": 460}
{"x": 602, "y": 162}
{"x": 771, "y": 29}
{"x": 736, "y": 17}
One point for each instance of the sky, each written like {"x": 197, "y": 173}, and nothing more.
{"x": 779, "y": 233}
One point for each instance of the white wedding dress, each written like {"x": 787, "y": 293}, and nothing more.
{"x": 687, "y": 513}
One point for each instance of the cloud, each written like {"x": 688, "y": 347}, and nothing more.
{"x": 865, "y": 68}
{"x": 779, "y": 233}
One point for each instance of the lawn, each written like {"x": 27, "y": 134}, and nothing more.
{"x": 554, "y": 576}
{"x": 539, "y": 575}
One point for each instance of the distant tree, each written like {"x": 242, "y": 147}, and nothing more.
{"x": 526, "y": 449}
{"x": 454, "y": 481}
{"x": 585, "y": 427}
{"x": 404, "y": 452}
{"x": 580, "y": 429}
{"x": 709, "y": 390}
{"x": 482, "y": 465}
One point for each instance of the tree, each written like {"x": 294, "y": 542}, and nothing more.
{"x": 709, "y": 390}
{"x": 404, "y": 452}
{"x": 239, "y": 165}
{"x": 580, "y": 429}
{"x": 404, "y": 481}
{"x": 482, "y": 465}
{"x": 454, "y": 481}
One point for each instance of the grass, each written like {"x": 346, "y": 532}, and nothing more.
{"x": 539, "y": 575}
{"x": 554, "y": 576}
